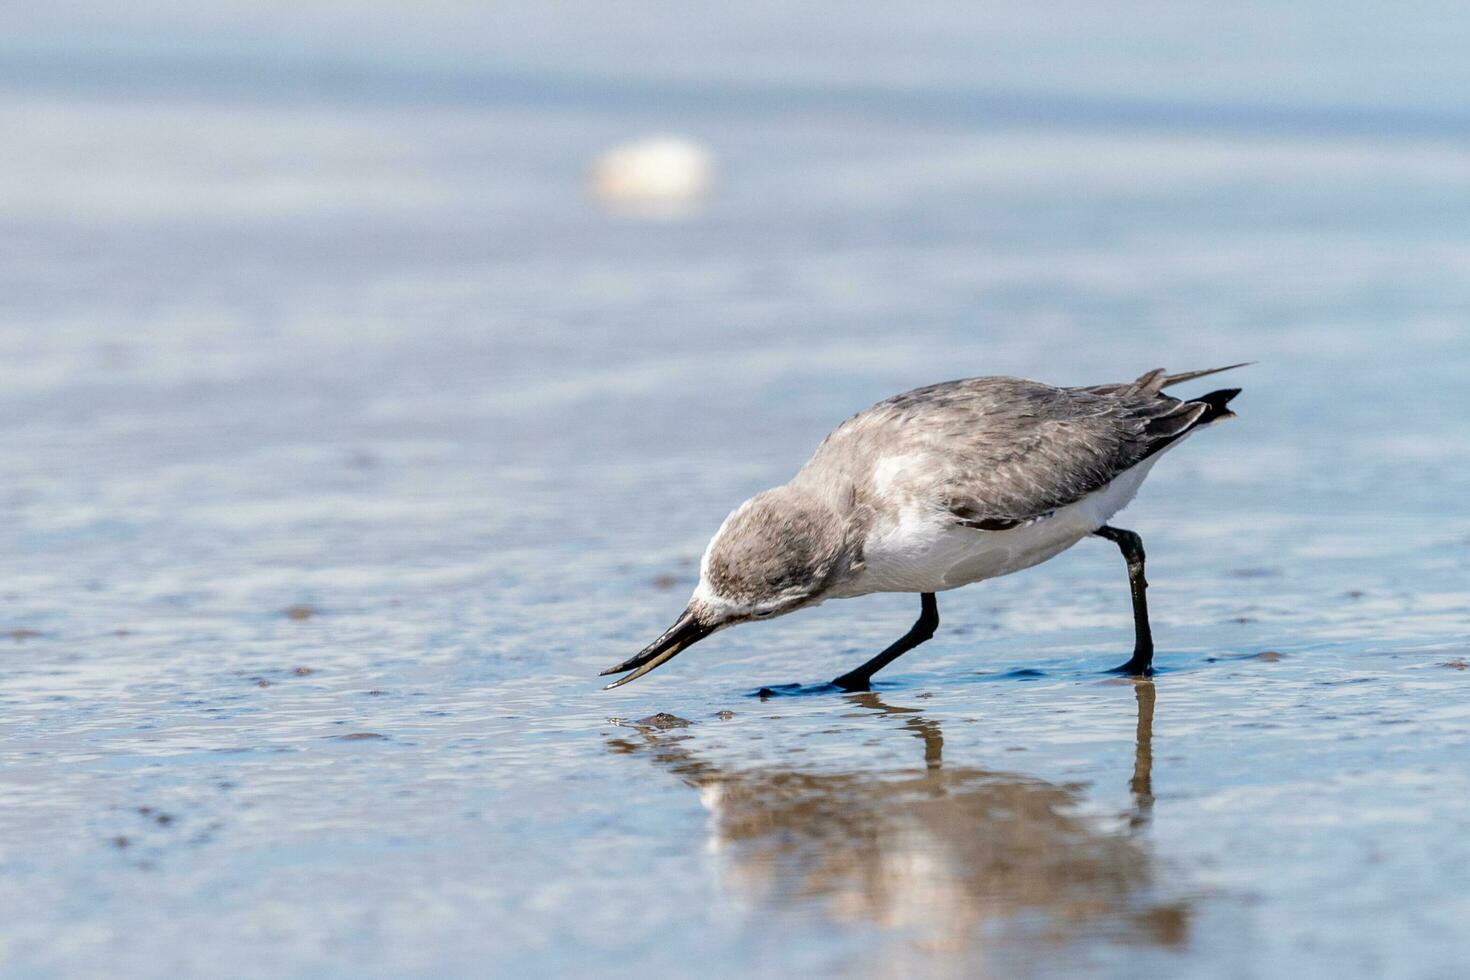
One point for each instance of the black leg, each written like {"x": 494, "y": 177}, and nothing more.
{"x": 923, "y": 629}
{"x": 1141, "y": 663}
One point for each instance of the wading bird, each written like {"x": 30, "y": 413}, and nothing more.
{"x": 937, "y": 488}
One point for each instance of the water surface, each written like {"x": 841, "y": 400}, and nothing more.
{"x": 346, "y": 441}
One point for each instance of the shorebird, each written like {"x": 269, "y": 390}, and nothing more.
{"x": 937, "y": 488}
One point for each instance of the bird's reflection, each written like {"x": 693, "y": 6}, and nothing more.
{"x": 959, "y": 857}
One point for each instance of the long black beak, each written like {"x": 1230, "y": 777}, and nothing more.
{"x": 686, "y": 631}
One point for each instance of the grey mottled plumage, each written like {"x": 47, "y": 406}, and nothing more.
{"x": 938, "y": 487}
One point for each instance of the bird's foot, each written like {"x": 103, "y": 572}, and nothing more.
{"x": 794, "y": 690}
{"x": 1135, "y": 668}
{"x": 853, "y": 682}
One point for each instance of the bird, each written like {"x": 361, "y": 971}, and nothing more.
{"x": 937, "y": 488}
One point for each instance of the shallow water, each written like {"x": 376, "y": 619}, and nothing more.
{"x": 346, "y": 442}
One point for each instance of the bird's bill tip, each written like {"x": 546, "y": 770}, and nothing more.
{"x": 686, "y": 631}
{"x": 622, "y": 680}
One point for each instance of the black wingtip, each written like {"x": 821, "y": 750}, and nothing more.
{"x": 1217, "y": 402}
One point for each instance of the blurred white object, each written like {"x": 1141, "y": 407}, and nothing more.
{"x": 661, "y": 174}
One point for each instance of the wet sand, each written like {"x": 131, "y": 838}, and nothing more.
{"x": 345, "y": 443}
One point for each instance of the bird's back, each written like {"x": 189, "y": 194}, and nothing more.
{"x": 996, "y": 451}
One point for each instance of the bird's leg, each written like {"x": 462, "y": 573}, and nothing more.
{"x": 923, "y": 629}
{"x": 1141, "y": 663}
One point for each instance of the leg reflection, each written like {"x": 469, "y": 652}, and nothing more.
{"x": 915, "y": 721}
{"x": 1142, "y": 784}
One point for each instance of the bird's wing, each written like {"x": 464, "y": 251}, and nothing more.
{"x": 1051, "y": 448}
{"x": 1001, "y": 452}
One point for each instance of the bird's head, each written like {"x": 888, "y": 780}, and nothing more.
{"x": 777, "y": 552}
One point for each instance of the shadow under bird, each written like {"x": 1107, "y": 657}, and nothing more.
{"x": 937, "y": 488}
